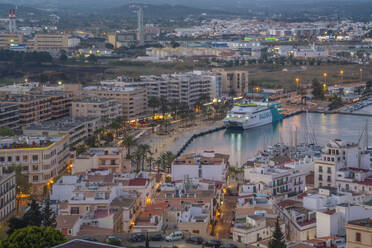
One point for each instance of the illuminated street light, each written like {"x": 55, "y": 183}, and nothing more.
{"x": 59, "y": 82}
{"x": 325, "y": 77}
{"x": 297, "y": 81}
{"x": 342, "y": 75}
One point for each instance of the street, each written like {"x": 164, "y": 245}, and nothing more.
{"x": 227, "y": 215}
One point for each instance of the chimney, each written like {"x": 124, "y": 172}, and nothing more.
{"x": 10, "y": 22}
{"x": 14, "y": 21}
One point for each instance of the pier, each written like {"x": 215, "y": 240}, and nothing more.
{"x": 341, "y": 113}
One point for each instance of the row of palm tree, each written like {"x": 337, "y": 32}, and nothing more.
{"x": 144, "y": 156}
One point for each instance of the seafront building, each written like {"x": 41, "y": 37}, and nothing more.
{"x": 102, "y": 108}
{"x": 133, "y": 100}
{"x": 359, "y": 233}
{"x": 187, "y": 88}
{"x": 41, "y": 158}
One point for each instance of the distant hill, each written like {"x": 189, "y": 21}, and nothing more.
{"x": 22, "y": 11}
{"x": 161, "y": 11}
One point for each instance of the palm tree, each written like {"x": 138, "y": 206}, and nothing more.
{"x": 167, "y": 159}
{"x": 129, "y": 142}
{"x": 144, "y": 149}
{"x": 150, "y": 160}
{"x": 137, "y": 156}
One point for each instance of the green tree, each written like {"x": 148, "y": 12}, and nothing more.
{"x": 81, "y": 149}
{"x": 34, "y": 237}
{"x": 129, "y": 142}
{"x": 154, "y": 103}
{"x": 278, "y": 240}
{"x": 47, "y": 216}
{"x": 6, "y": 131}
{"x": 63, "y": 56}
{"x": 23, "y": 186}
{"x": 15, "y": 223}
{"x": 318, "y": 91}
{"x": 114, "y": 242}
{"x": 33, "y": 216}
{"x": 167, "y": 160}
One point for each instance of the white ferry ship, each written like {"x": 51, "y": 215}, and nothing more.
{"x": 253, "y": 114}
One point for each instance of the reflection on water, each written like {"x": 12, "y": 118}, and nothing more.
{"x": 242, "y": 145}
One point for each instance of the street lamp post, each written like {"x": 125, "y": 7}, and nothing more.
{"x": 342, "y": 75}
{"x": 361, "y": 74}
{"x": 297, "y": 81}
{"x": 325, "y": 77}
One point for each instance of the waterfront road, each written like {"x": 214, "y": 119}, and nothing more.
{"x": 224, "y": 222}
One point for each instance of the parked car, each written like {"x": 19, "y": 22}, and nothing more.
{"x": 195, "y": 240}
{"x": 156, "y": 237}
{"x": 90, "y": 239}
{"x": 137, "y": 237}
{"x": 213, "y": 243}
{"x": 174, "y": 236}
{"x": 228, "y": 246}
{"x": 113, "y": 238}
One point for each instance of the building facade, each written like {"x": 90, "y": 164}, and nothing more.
{"x": 41, "y": 158}
{"x": 50, "y": 41}
{"x": 7, "y": 194}
{"x": 359, "y": 234}
{"x": 132, "y": 100}
{"x": 103, "y": 108}
{"x": 9, "y": 115}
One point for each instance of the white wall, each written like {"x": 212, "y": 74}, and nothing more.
{"x": 180, "y": 172}
{"x": 61, "y": 192}
{"x": 213, "y": 172}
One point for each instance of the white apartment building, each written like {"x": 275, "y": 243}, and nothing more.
{"x": 207, "y": 165}
{"x": 276, "y": 181}
{"x": 340, "y": 163}
{"x": 102, "y": 108}
{"x": 333, "y": 222}
{"x": 185, "y": 88}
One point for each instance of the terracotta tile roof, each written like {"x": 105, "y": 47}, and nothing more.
{"x": 138, "y": 182}
{"x": 67, "y": 221}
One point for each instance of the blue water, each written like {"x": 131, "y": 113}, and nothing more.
{"x": 243, "y": 145}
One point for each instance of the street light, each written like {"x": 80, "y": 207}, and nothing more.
{"x": 325, "y": 77}
{"x": 297, "y": 81}
{"x": 342, "y": 75}
{"x": 59, "y": 82}
{"x": 361, "y": 74}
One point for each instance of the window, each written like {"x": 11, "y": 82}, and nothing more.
{"x": 17, "y": 158}
{"x": 9, "y": 159}
{"x": 320, "y": 177}
{"x": 2, "y": 159}
{"x": 358, "y": 237}
{"x": 328, "y": 179}
{"x": 35, "y": 157}
{"x": 74, "y": 210}
{"x": 35, "y": 178}
{"x": 25, "y": 158}
{"x": 320, "y": 169}
{"x": 329, "y": 169}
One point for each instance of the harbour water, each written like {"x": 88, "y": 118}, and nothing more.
{"x": 243, "y": 145}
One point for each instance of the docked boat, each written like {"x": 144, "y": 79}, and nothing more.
{"x": 253, "y": 114}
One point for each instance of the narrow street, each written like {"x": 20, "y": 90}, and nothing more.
{"x": 227, "y": 215}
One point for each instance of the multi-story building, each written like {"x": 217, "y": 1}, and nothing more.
{"x": 9, "y": 115}
{"x": 49, "y": 41}
{"x": 234, "y": 83}
{"x": 119, "y": 39}
{"x": 108, "y": 158}
{"x": 77, "y": 129}
{"x": 39, "y": 106}
{"x": 132, "y": 100}
{"x": 359, "y": 233}
{"x": 8, "y": 39}
{"x": 187, "y": 88}
{"x": 338, "y": 161}
{"x": 275, "y": 181}
{"x": 96, "y": 107}
{"x": 7, "y": 194}
{"x": 206, "y": 165}
{"x": 42, "y": 158}
{"x": 254, "y": 228}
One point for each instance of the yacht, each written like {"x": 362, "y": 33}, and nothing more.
{"x": 249, "y": 114}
